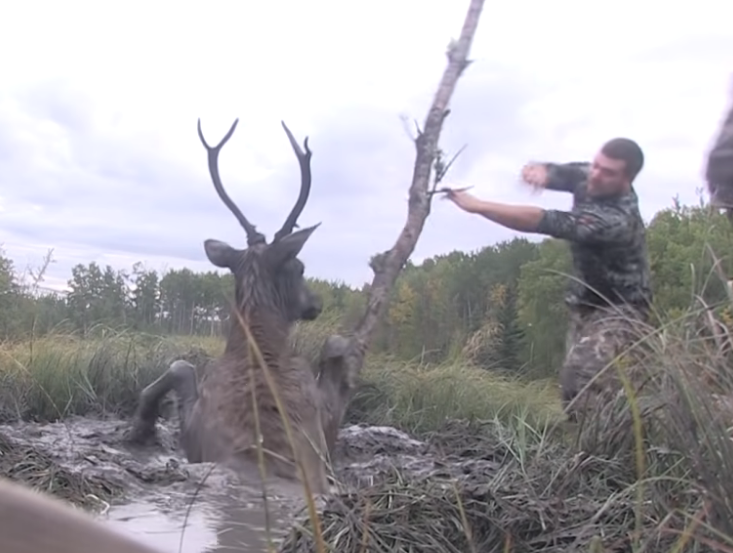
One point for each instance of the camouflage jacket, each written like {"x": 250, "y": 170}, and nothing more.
{"x": 607, "y": 239}
{"x": 719, "y": 165}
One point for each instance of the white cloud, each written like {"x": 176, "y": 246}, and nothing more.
{"x": 100, "y": 158}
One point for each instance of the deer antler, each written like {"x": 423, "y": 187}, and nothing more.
{"x": 304, "y": 159}
{"x": 253, "y": 237}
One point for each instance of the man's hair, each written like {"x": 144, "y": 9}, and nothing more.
{"x": 627, "y": 151}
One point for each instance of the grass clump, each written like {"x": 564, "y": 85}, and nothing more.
{"x": 538, "y": 504}
{"x": 421, "y": 398}
{"x": 648, "y": 469}
{"x": 61, "y": 375}
{"x": 36, "y": 469}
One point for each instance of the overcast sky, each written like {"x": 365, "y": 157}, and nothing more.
{"x": 100, "y": 160}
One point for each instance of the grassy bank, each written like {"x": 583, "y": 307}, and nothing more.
{"x": 60, "y": 375}
{"x": 649, "y": 470}
{"x": 56, "y": 376}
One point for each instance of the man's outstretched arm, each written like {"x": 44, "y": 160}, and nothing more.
{"x": 595, "y": 224}
{"x": 523, "y": 218}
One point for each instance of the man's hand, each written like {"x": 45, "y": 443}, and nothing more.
{"x": 535, "y": 175}
{"x": 461, "y": 198}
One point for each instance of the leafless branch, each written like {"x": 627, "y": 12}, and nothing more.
{"x": 387, "y": 265}
{"x": 37, "y": 274}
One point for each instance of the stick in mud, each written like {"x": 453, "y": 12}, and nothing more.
{"x": 31, "y": 522}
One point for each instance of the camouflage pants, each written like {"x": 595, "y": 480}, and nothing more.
{"x": 595, "y": 338}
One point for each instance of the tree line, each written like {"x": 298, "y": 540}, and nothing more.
{"x": 501, "y": 306}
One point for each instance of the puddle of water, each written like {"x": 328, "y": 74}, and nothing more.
{"x": 214, "y": 526}
{"x": 148, "y": 524}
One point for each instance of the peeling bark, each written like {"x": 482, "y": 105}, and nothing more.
{"x": 387, "y": 265}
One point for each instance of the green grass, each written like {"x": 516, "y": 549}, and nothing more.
{"x": 653, "y": 473}
{"x": 62, "y": 375}
{"x": 649, "y": 469}
{"x": 419, "y": 399}
{"x": 56, "y": 376}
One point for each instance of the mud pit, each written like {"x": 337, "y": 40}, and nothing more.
{"x": 153, "y": 494}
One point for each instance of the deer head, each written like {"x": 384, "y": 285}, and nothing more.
{"x": 266, "y": 275}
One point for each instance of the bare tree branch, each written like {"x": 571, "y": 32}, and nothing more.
{"x": 387, "y": 265}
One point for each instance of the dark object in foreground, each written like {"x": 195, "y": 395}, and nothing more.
{"x": 32, "y": 522}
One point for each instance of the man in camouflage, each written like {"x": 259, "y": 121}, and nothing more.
{"x": 611, "y": 291}
{"x": 719, "y": 167}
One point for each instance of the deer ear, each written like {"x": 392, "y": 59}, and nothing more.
{"x": 288, "y": 247}
{"x": 219, "y": 253}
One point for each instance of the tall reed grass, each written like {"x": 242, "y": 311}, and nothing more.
{"x": 60, "y": 375}
{"x": 656, "y": 459}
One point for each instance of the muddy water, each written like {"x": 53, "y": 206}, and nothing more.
{"x": 212, "y": 527}
{"x": 216, "y": 520}
{"x": 169, "y": 533}
{"x": 179, "y": 507}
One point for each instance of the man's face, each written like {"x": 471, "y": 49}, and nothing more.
{"x": 607, "y": 177}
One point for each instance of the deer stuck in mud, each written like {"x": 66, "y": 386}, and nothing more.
{"x": 218, "y": 418}
{"x": 271, "y": 294}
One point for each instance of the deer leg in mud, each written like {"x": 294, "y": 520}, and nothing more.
{"x": 336, "y": 383}
{"x": 179, "y": 378}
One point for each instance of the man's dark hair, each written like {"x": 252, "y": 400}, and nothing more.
{"x": 627, "y": 151}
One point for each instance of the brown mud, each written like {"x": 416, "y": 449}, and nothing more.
{"x": 152, "y": 493}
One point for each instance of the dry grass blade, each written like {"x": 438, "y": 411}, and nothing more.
{"x": 545, "y": 504}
